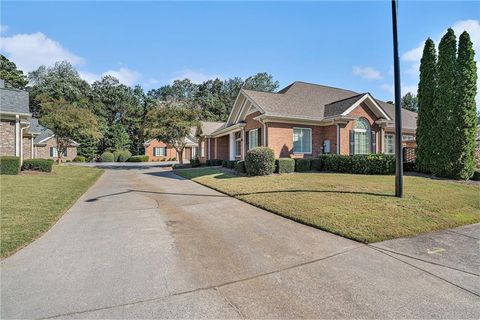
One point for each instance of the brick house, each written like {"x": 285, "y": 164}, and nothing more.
{"x": 160, "y": 151}
{"x": 304, "y": 120}
{"x": 20, "y": 134}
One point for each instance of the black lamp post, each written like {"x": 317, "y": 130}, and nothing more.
{"x": 398, "y": 108}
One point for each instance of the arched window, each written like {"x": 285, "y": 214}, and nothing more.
{"x": 362, "y": 136}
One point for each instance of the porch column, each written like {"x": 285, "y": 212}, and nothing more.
{"x": 382, "y": 139}
{"x": 31, "y": 148}
{"x": 18, "y": 138}
{"x": 244, "y": 144}
{"x": 231, "y": 145}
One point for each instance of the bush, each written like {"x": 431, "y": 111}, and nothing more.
{"x": 224, "y": 163}
{"x": 208, "y": 163}
{"x": 240, "y": 166}
{"x": 107, "y": 157}
{"x": 260, "y": 161}
{"x": 139, "y": 158}
{"x": 231, "y": 164}
{"x": 124, "y": 155}
{"x": 116, "y": 154}
{"x": 43, "y": 165}
{"x": 316, "y": 164}
{"x": 409, "y": 166}
{"x": 9, "y": 165}
{"x": 359, "y": 164}
{"x": 216, "y": 162}
{"x": 195, "y": 162}
{"x": 79, "y": 159}
{"x": 284, "y": 165}
{"x": 476, "y": 175}
{"x": 302, "y": 165}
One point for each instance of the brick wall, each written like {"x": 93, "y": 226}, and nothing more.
{"x": 27, "y": 148}
{"x": 43, "y": 152}
{"x": 221, "y": 148}
{"x": 280, "y": 139}
{"x": 170, "y": 153}
{"x": 7, "y": 138}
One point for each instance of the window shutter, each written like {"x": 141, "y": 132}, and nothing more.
{"x": 247, "y": 140}
{"x": 154, "y": 151}
{"x": 352, "y": 142}
{"x": 373, "y": 142}
{"x": 259, "y": 137}
{"x": 51, "y": 151}
{"x": 65, "y": 153}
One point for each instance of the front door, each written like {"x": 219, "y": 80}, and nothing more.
{"x": 188, "y": 154}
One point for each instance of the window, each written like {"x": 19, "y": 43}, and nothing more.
{"x": 54, "y": 152}
{"x": 194, "y": 152}
{"x": 202, "y": 149}
{"x": 159, "y": 152}
{"x": 407, "y": 137}
{"x": 362, "y": 136}
{"x": 389, "y": 144}
{"x": 253, "y": 139}
{"x": 302, "y": 140}
{"x": 238, "y": 144}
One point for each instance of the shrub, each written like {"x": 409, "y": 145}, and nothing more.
{"x": 195, "y": 162}
{"x": 260, "y": 161}
{"x": 476, "y": 175}
{"x": 409, "y": 166}
{"x": 240, "y": 166}
{"x": 107, "y": 157}
{"x": 359, "y": 164}
{"x": 43, "y": 165}
{"x": 302, "y": 165}
{"x": 79, "y": 159}
{"x": 316, "y": 164}
{"x": 216, "y": 162}
{"x": 284, "y": 165}
{"x": 9, "y": 165}
{"x": 224, "y": 163}
{"x": 231, "y": 164}
{"x": 139, "y": 158}
{"x": 124, "y": 155}
{"x": 208, "y": 163}
{"x": 116, "y": 154}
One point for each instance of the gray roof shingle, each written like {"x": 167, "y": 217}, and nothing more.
{"x": 13, "y": 101}
{"x": 313, "y": 101}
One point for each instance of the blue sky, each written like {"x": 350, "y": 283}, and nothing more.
{"x": 344, "y": 44}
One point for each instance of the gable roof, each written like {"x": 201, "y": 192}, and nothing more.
{"x": 35, "y": 127}
{"x": 313, "y": 101}
{"x": 14, "y": 101}
{"x": 208, "y": 127}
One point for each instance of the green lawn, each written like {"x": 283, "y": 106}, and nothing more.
{"x": 32, "y": 202}
{"x": 359, "y": 207}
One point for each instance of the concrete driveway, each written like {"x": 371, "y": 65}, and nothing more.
{"x": 144, "y": 243}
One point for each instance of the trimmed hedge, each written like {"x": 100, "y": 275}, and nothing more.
{"x": 107, "y": 157}
{"x": 43, "y": 165}
{"x": 116, "y": 154}
{"x": 9, "y": 165}
{"x": 476, "y": 175}
{"x": 124, "y": 155}
{"x": 302, "y": 165}
{"x": 359, "y": 164}
{"x": 284, "y": 165}
{"x": 224, "y": 163}
{"x": 408, "y": 166}
{"x": 316, "y": 165}
{"x": 79, "y": 159}
{"x": 260, "y": 161}
{"x": 216, "y": 162}
{"x": 139, "y": 158}
{"x": 240, "y": 166}
{"x": 195, "y": 162}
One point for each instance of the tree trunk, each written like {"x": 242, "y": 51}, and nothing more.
{"x": 180, "y": 156}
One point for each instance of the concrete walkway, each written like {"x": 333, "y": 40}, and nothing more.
{"x": 144, "y": 243}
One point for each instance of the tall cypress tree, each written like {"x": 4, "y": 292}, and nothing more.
{"x": 426, "y": 97}
{"x": 464, "y": 115}
{"x": 444, "y": 127}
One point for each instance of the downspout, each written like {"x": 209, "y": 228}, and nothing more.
{"x": 265, "y": 134}
{"x": 17, "y": 135}
{"x": 243, "y": 144}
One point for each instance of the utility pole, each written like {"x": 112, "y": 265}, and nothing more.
{"x": 398, "y": 108}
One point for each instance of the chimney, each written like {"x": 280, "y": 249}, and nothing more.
{"x": 2, "y": 83}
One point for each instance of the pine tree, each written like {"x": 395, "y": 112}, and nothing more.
{"x": 443, "y": 125}
{"x": 426, "y": 96}
{"x": 464, "y": 116}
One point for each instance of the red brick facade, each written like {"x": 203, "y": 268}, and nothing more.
{"x": 170, "y": 154}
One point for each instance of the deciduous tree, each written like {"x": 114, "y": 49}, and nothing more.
{"x": 13, "y": 77}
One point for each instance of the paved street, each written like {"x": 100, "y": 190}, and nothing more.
{"x": 145, "y": 243}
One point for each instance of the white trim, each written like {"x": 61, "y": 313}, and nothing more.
{"x": 240, "y": 111}
{"x": 209, "y": 145}
{"x": 233, "y": 109}
{"x": 244, "y": 144}
{"x": 225, "y": 131}
{"x": 372, "y": 101}
{"x": 48, "y": 138}
{"x": 265, "y": 135}
{"x": 250, "y": 138}
{"x": 311, "y": 142}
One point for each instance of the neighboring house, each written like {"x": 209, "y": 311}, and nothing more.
{"x": 45, "y": 143}
{"x": 304, "y": 120}
{"x": 160, "y": 151}
{"x": 20, "y": 134}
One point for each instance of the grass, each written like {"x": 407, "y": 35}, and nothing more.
{"x": 358, "y": 207}
{"x": 32, "y": 202}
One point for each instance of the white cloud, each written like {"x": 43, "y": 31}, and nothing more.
{"x": 405, "y": 88}
{"x": 367, "y": 73}
{"x": 29, "y": 51}
{"x": 3, "y": 28}
{"x": 124, "y": 75}
{"x": 89, "y": 76}
{"x": 195, "y": 77}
